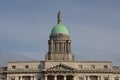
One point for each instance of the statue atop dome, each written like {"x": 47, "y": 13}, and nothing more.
{"x": 59, "y": 17}
{"x": 59, "y": 28}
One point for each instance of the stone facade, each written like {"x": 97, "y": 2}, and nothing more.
{"x": 59, "y": 63}
{"x": 3, "y": 73}
{"x": 62, "y": 70}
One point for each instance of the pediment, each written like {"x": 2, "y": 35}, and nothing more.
{"x": 61, "y": 67}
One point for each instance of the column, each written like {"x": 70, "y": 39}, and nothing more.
{"x": 98, "y": 78}
{"x": 101, "y": 77}
{"x": 34, "y": 77}
{"x": 65, "y": 47}
{"x": 49, "y": 46}
{"x": 55, "y": 46}
{"x": 64, "y": 77}
{"x": 110, "y": 77}
{"x": 118, "y": 78}
{"x": 62, "y": 47}
{"x": 17, "y": 78}
{"x": 8, "y": 78}
{"x": 45, "y": 77}
{"x": 55, "y": 78}
{"x": 74, "y": 77}
{"x": 52, "y": 46}
{"x": 31, "y": 77}
{"x": 58, "y": 47}
{"x": 20, "y": 77}
{"x": 84, "y": 77}
{"x": 88, "y": 78}
{"x": 69, "y": 47}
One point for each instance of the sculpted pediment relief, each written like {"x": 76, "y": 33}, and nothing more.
{"x": 61, "y": 67}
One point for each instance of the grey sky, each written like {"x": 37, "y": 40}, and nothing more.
{"x": 94, "y": 27}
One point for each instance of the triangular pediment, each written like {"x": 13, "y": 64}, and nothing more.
{"x": 61, "y": 67}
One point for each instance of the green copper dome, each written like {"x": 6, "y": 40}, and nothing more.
{"x": 59, "y": 28}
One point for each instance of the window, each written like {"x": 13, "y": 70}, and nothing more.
{"x": 39, "y": 78}
{"x": 80, "y": 66}
{"x": 116, "y": 78}
{"x": 106, "y": 78}
{"x": 13, "y": 79}
{"x": 39, "y": 66}
{"x": 13, "y": 67}
{"x": 105, "y": 66}
{"x": 93, "y": 66}
{"x": 26, "y": 66}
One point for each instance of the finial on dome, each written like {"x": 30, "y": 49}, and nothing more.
{"x": 59, "y": 17}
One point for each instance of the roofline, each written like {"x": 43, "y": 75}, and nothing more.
{"x": 83, "y": 61}
{"x": 62, "y": 61}
{"x": 23, "y": 61}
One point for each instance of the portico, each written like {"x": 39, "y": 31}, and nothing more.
{"x": 59, "y": 77}
{"x": 60, "y": 72}
{"x": 27, "y": 78}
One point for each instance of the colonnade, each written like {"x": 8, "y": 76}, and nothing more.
{"x": 95, "y": 77}
{"x": 59, "y": 46}
{"x": 99, "y": 77}
{"x": 28, "y": 77}
{"x": 63, "y": 77}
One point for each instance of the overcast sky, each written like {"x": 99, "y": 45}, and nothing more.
{"x": 94, "y": 27}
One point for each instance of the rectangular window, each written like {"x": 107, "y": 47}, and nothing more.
{"x": 39, "y": 78}
{"x": 13, "y": 67}
{"x": 26, "y": 66}
{"x": 13, "y": 79}
{"x": 93, "y": 66}
{"x": 105, "y": 66}
{"x": 39, "y": 66}
{"x": 80, "y": 66}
